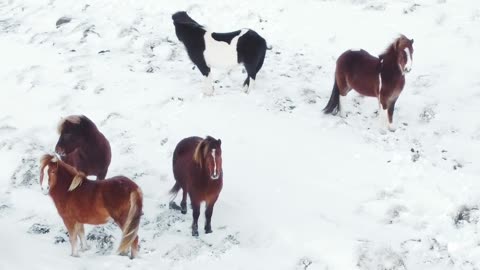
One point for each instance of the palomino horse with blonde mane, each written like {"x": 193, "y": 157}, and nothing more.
{"x": 81, "y": 201}
{"x": 83, "y": 146}
{"x": 382, "y": 77}
{"x": 197, "y": 168}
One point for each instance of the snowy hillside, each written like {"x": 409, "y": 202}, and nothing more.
{"x": 302, "y": 190}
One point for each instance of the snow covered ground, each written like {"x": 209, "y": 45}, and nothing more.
{"x": 302, "y": 190}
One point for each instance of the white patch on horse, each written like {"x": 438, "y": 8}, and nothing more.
{"x": 250, "y": 86}
{"x": 384, "y": 119}
{"x": 408, "y": 65}
{"x": 355, "y": 49}
{"x": 208, "y": 85}
{"x": 215, "y": 174}
{"x": 379, "y": 84}
{"x": 219, "y": 53}
{"x": 45, "y": 189}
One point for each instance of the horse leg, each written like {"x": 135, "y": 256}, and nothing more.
{"x": 183, "y": 203}
{"x": 391, "y": 108}
{"x": 207, "y": 83}
{"x": 251, "y": 76}
{"x": 83, "y": 241}
{"x": 72, "y": 229}
{"x": 343, "y": 89}
{"x": 135, "y": 248}
{"x": 208, "y": 216}
{"x": 384, "y": 111}
{"x": 196, "y": 214}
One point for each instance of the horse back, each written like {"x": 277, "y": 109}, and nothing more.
{"x": 361, "y": 70}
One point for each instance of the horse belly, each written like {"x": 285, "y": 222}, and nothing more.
{"x": 219, "y": 53}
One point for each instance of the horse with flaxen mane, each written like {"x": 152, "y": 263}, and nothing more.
{"x": 83, "y": 146}
{"x": 81, "y": 201}
{"x": 220, "y": 50}
{"x": 197, "y": 168}
{"x": 382, "y": 77}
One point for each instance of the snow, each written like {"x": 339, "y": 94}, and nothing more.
{"x": 301, "y": 189}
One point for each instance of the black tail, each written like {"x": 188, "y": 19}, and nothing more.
{"x": 333, "y": 105}
{"x": 175, "y": 189}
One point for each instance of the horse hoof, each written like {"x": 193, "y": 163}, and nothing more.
{"x": 184, "y": 211}
{"x": 75, "y": 255}
{"x": 207, "y": 231}
{"x": 194, "y": 233}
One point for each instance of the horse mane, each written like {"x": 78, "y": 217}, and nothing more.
{"x": 201, "y": 150}
{"x": 182, "y": 18}
{"x": 76, "y": 120}
{"x": 78, "y": 176}
{"x": 392, "y": 48}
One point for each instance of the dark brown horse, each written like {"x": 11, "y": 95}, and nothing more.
{"x": 382, "y": 77}
{"x": 83, "y": 146}
{"x": 197, "y": 168}
{"x": 81, "y": 201}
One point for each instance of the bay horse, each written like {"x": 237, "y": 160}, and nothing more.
{"x": 382, "y": 77}
{"x": 197, "y": 168}
{"x": 81, "y": 201}
{"x": 220, "y": 50}
{"x": 83, "y": 146}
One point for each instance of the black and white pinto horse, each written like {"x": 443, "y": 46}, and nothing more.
{"x": 220, "y": 50}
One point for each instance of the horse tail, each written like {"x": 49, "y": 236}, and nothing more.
{"x": 174, "y": 190}
{"x": 333, "y": 104}
{"x": 132, "y": 223}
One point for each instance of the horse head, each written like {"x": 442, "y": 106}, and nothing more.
{"x": 75, "y": 132}
{"x": 54, "y": 166}
{"x": 208, "y": 155}
{"x": 404, "y": 49}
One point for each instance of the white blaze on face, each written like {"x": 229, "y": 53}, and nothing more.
{"x": 408, "y": 65}
{"x": 215, "y": 173}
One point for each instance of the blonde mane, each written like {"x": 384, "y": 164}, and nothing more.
{"x": 199, "y": 153}
{"x": 74, "y": 119}
{"x": 78, "y": 176}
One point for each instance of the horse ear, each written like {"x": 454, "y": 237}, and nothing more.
{"x": 219, "y": 142}
{"x": 411, "y": 41}
{"x": 77, "y": 181}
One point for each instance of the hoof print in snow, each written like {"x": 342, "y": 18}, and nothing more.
{"x": 415, "y": 155}
{"x": 103, "y": 238}
{"x": 304, "y": 263}
{"x": 38, "y": 228}
{"x": 59, "y": 240}
{"x": 427, "y": 115}
{"x": 376, "y": 7}
{"x": 103, "y": 51}
{"x": 467, "y": 214}
{"x": 62, "y": 21}
{"x": 457, "y": 165}
{"x": 163, "y": 141}
{"x": 285, "y": 105}
{"x": 379, "y": 257}
{"x": 411, "y": 9}
{"x": 310, "y": 96}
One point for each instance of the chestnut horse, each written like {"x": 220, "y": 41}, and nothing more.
{"x": 382, "y": 77}
{"x": 197, "y": 168}
{"x": 81, "y": 201}
{"x": 83, "y": 146}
